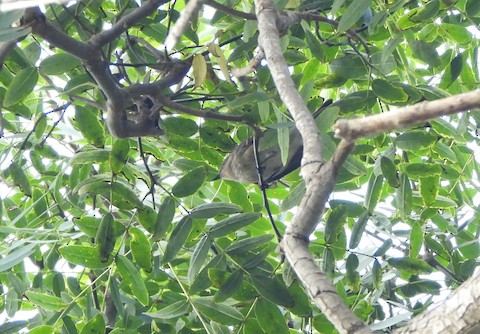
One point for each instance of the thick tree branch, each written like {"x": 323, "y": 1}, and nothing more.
{"x": 40, "y": 27}
{"x": 405, "y": 117}
{"x": 90, "y": 53}
{"x": 319, "y": 179}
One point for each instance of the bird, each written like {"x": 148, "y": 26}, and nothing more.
{"x": 240, "y": 165}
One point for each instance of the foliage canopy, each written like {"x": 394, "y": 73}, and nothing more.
{"x": 136, "y": 230}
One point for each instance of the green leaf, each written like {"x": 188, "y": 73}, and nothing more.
{"x": 17, "y": 256}
{"x": 85, "y": 256}
{"x": 457, "y": 32}
{"x": 417, "y": 286}
{"x": 415, "y": 140}
{"x": 247, "y": 244}
{"x": 44, "y": 301}
{"x": 425, "y": 52}
{"x": 105, "y": 237}
{"x": 389, "y": 171}
{"x": 180, "y": 126}
{"x": 90, "y": 156}
{"x": 294, "y": 197}
{"x": 221, "y": 313}
{"x": 210, "y": 210}
{"x": 199, "y": 257}
{"x": 416, "y": 239}
{"x": 446, "y": 129}
{"x": 165, "y": 215}
{"x": 377, "y": 274}
{"x": 22, "y": 84}
{"x": 270, "y": 318}
{"x": 429, "y": 187}
{"x": 472, "y": 7}
{"x": 374, "y": 190}
{"x": 215, "y": 137}
{"x": 388, "y": 92}
{"x": 430, "y": 10}
{"x": 90, "y": 126}
{"x": 302, "y": 303}
{"x": 323, "y": 325}
{"x": 172, "y": 311}
{"x": 352, "y": 14}
{"x": 43, "y": 329}
{"x": 190, "y": 182}
{"x": 349, "y": 67}
{"x": 403, "y": 198}
{"x": 132, "y": 277}
{"x": 96, "y": 325}
{"x": 141, "y": 248}
{"x": 19, "y": 178}
{"x": 335, "y": 221}
{"x": 202, "y": 281}
{"x": 358, "y": 229}
{"x": 436, "y": 247}
{"x": 383, "y": 248}
{"x": 147, "y": 217}
{"x": 119, "y": 155}
{"x": 232, "y": 223}
{"x": 352, "y": 276}
{"x": 177, "y": 238}
{"x": 59, "y": 63}
{"x": 314, "y": 45}
{"x": 122, "y": 196}
{"x": 273, "y": 290}
{"x": 410, "y": 265}
{"x": 248, "y": 99}
{"x": 231, "y": 285}
{"x": 420, "y": 169}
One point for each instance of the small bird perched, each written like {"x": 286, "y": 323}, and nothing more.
{"x": 240, "y": 165}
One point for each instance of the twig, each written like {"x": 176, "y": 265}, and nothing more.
{"x": 252, "y": 65}
{"x": 208, "y": 113}
{"x": 230, "y": 11}
{"x": 319, "y": 181}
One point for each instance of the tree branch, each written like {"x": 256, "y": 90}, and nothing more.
{"x": 230, "y": 11}
{"x": 319, "y": 180}
{"x": 194, "y": 112}
{"x": 407, "y": 116}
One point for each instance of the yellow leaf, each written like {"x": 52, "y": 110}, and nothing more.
{"x": 199, "y": 69}
{"x": 222, "y": 62}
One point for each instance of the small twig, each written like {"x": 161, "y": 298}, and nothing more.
{"x": 95, "y": 104}
{"x": 230, "y": 11}
{"x": 252, "y": 65}
{"x": 64, "y": 109}
{"x": 208, "y": 113}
